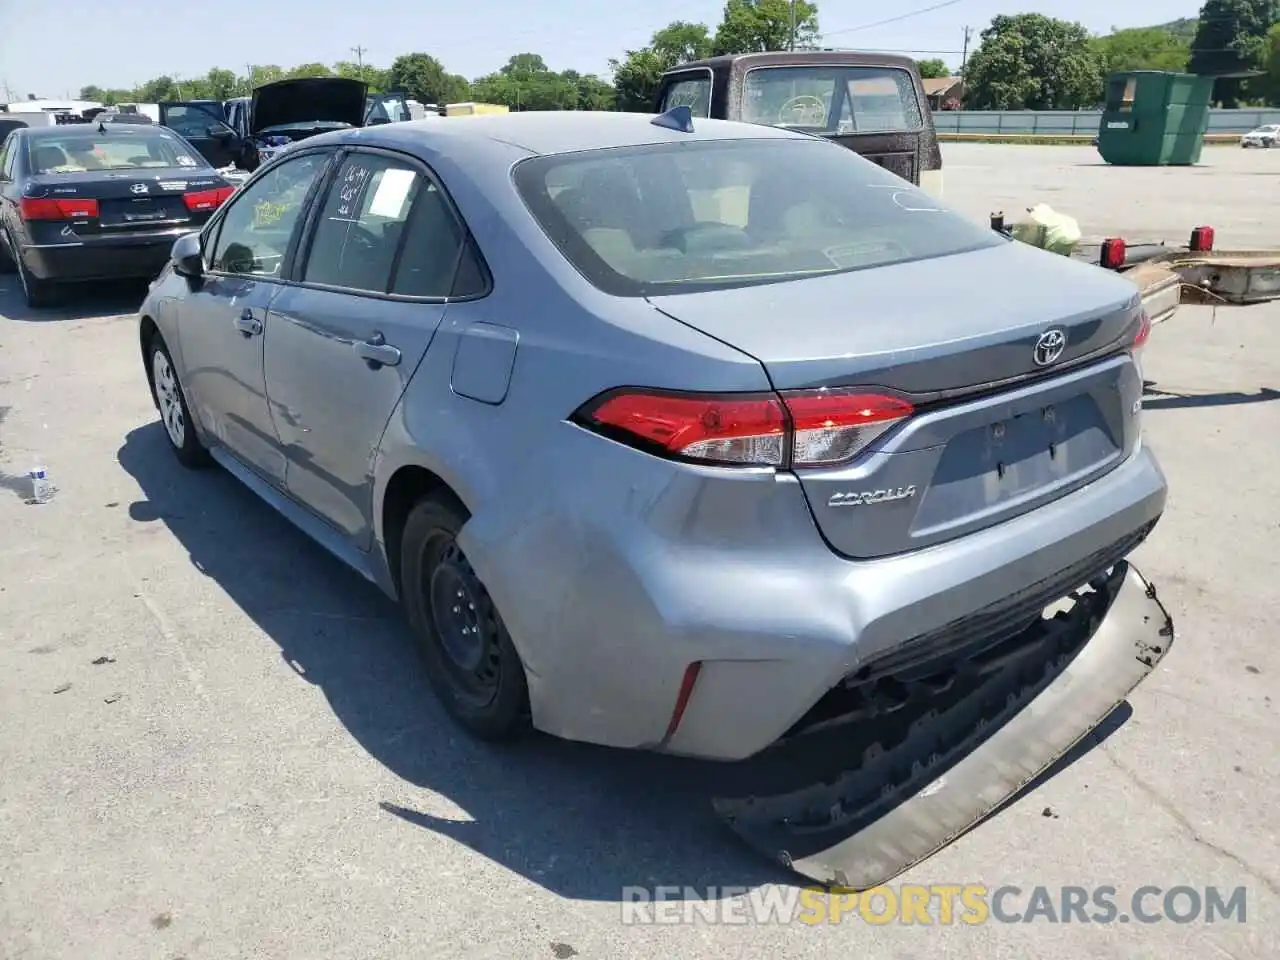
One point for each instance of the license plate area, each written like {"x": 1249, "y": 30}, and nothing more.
{"x": 1003, "y": 462}
{"x": 142, "y": 211}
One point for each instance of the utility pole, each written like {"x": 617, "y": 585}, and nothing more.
{"x": 792, "y": 46}
{"x": 964, "y": 60}
{"x": 359, "y": 52}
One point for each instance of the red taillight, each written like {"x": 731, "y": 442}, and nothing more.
{"x": 832, "y": 426}
{"x": 804, "y": 428}
{"x": 1113, "y": 253}
{"x": 1144, "y": 331}
{"x": 43, "y": 208}
{"x": 682, "y": 698}
{"x": 1202, "y": 239}
{"x": 199, "y": 200}
{"x": 725, "y": 428}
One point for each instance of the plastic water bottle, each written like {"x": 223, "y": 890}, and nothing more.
{"x": 41, "y": 487}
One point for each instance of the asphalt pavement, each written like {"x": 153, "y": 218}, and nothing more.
{"x": 215, "y": 742}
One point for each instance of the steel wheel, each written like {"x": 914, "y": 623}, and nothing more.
{"x": 470, "y": 659}
{"x": 168, "y": 399}
{"x": 464, "y": 620}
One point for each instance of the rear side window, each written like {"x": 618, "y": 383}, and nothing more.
{"x": 6, "y": 157}
{"x": 120, "y": 149}
{"x": 833, "y": 99}
{"x": 362, "y": 222}
{"x": 711, "y": 214}
{"x": 387, "y": 228}
{"x": 693, "y": 92}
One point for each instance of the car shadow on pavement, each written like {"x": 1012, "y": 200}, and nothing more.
{"x": 1154, "y": 398}
{"x": 86, "y": 301}
{"x": 581, "y": 821}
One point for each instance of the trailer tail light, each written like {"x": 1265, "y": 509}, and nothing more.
{"x": 201, "y": 200}
{"x": 1202, "y": 239}
{"x": 43, "y": 208}
{"x": 804, "y": 428}
{"x": 1113, "y": 253}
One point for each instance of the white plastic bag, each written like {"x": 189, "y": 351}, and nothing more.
{"x": 1049, "y": 230}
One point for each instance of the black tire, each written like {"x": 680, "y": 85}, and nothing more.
{"x": 171, "y": 401}
{"x": 38, "y": 293}
{"x": 7, "y": 264}
{"x": 477, "y": 675}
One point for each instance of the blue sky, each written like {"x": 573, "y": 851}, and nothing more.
{"x": 126, "y": 42}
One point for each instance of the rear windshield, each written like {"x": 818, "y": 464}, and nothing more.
{"x": 832, "y": 100}
{"x": 709, "y": 214}
{"x": 118, "y": 150}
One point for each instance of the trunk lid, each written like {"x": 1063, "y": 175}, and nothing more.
{"x": 307, "y": 100}
{"x": 997, "y": 431}
{"x": 128, "y": 200}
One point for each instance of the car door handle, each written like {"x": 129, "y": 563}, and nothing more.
{"x": 248, "y": 324}
{"x": 376, "y": 352}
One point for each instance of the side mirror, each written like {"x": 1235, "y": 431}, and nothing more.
{"x": 187, "y": 257}
{"x": 219, "y": 133}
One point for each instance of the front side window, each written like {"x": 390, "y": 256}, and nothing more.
{"x": 832, "y": 99}
{"x": 693, "y": 92}
{"x": 710, "y": 214}
{"x": 256, "y": 230}
{"x": 193, "y": 122}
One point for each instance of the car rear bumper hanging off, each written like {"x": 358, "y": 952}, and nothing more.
{"x": 989, "y": 732}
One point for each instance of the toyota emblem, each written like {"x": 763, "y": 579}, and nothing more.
{"x": 1049, "y": 347}
{"x": 138, "y": 188}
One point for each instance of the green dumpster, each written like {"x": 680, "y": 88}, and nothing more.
{"x": 1154, "y": 118}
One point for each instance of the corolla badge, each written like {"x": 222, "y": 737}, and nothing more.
{"x": 1049, "y": 347}
{"x": 857, "y": 498}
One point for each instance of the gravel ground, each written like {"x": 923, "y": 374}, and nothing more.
{"x": 257, "y": 770}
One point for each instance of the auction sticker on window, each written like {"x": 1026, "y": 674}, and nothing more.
{"x": 393, "y": 189}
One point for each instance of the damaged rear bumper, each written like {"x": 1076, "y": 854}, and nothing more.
{"x": 910, "y": 786}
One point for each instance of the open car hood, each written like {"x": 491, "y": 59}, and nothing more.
{"x": 307, "y": 100}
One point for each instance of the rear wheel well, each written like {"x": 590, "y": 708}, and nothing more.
{"x": 408, "y": 486}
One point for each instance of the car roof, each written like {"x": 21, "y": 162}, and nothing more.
{"x": 563, "y": 131}
{"x": 90, "y": 129}
{"x": 800, "y": 58}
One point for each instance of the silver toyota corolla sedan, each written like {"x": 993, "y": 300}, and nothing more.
{"x": 659, "y": 431}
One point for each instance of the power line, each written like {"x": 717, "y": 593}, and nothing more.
{"x": 901, "y": 16}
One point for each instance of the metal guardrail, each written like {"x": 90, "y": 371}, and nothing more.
{"x": 1066, "y": 123}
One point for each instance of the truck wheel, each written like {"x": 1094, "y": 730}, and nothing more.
{"x": 470, "y": 660}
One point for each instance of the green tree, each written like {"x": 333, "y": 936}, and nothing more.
{"x": 1144, "y": 48}
{"x": 261, "y": 73}
{"x": 933, "y": 69}
{"x": 309, "y": 70}
{"x": 637, "y": 75}
{"x": 681, "y": 42}
{"x": 426, "y": 80}
{"x": 1030, "y": 61}
{"x": 757, "y": 26}
{"x": 1271, "y": 64}
{"x": 375, "y": 77}
{"x": 1232, "y": 39}
{"x": 636, "y": 78}
{"x": 222, "y": 84}
{"x": 92, "y": 93}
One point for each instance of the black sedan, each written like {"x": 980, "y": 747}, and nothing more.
{"x": 98, "y": 201}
